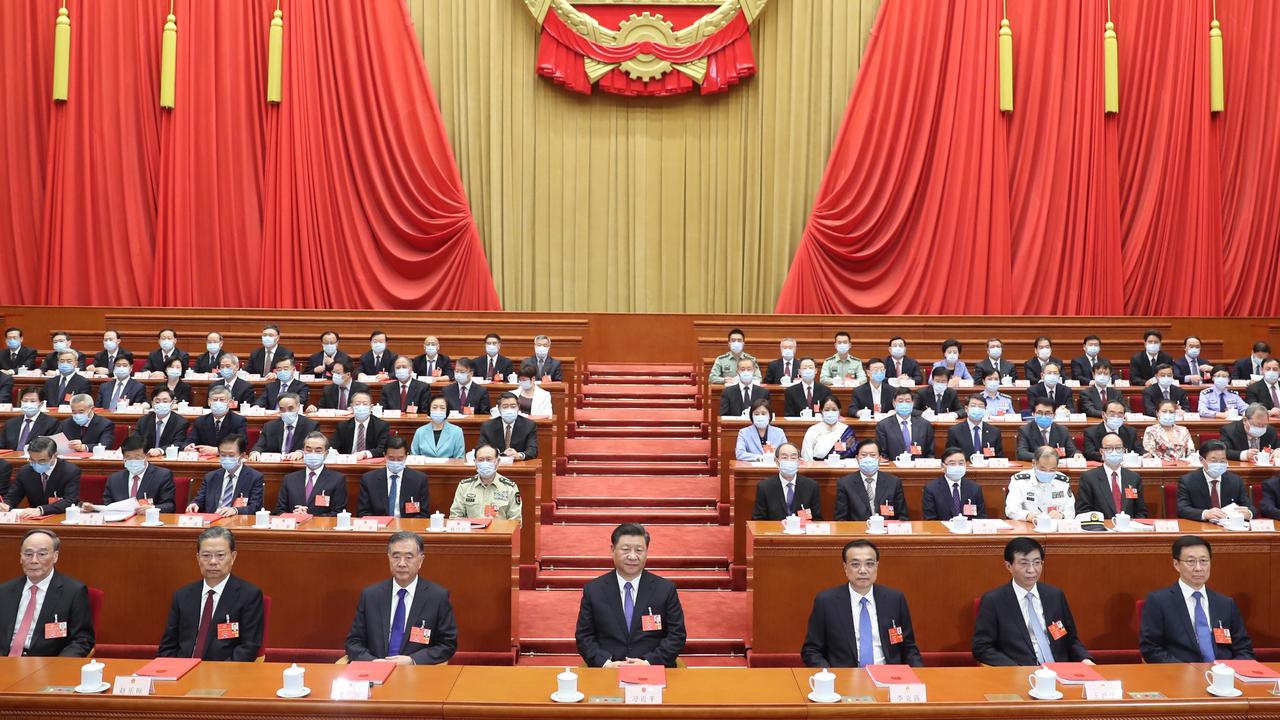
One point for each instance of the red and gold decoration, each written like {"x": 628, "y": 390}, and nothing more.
{"x": 662, "y": 47}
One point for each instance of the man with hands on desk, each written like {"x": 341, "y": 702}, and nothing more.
{"x": 285, "y": 434}
{"x": 1187, "y": 622}
{"x": 219, "y": 617}
{"x": 232, "y": 489}
{"x": 394, "y": 490}
{"x": 85, "y": 428}
{"x": 149, "y": 484}
{"x": 221, "y": 421}
{"x": 516, "y": 436}
{"x": 48, "y": 485}
{"x": 314, "y": 490}
{"x": 1249, "y": 435}
{"x": 1111, "y": 488}
{"x": 1204, "y": 492}
{"x": 869, "y": 491}
{"x": 44, "y": 613}
{"x": 417, "y": 611}
{"x": 788, "y": 492}
{"x": 1042, "y": 490}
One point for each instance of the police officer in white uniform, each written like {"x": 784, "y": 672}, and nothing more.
{"x": 1040, "y": 490}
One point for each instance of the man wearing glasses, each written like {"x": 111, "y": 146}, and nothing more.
{"x": 219, "y": 617}
{"x": 45, "y": 613}
{"x": 1187, "y": 622}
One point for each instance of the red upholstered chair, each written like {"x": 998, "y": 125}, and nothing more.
{"x": 1255, "y": 492}
{"x": 92, "y": 488}
{"x": 122, "y": 431}
{"x": 181, "y": 491}
{"x": 1170, "y": 499}
{"x": 139, "y": 361}
{"x": 1137, "y": 613}
{"x": 251, "y": 437}
{"x": 1194, "y": 397}
{"x": 95, "y": 609}
{"x": 977, "y": 602}
{"x": 266, "y": 623}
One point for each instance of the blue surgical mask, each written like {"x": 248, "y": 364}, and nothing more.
{"x": 13, "y": 343}
{"x": 509, "y": 415}
{"x": 1113, "y": 457}
{"x": 1165, "y": 381}
{"x": 1193, "y": 353}
{"x": 735, "y": 346}
{"x": 66, "y": 368}
{"x": 830, "y": 417}
{"x": 807, "y": 374}
{"x": 1092, "y": 350}
{"x": 81, "y": 419}
{"x": 1167, "y": 419}
{"x": 1113, "y": 423}
{"x": 339, "y": 378}
{"x": 954, "y": 472}
{"x": 1044, "y": 353}
{"x": 61, "y": 345}
{"x": 213, "y": 347}
{"x": 746, "y": 376}
{"x": 229, "y": 463}
{"x": 403, "y": 374}
{"x": 162, "y": 408}
{"x": 1045, "y": 476}
{"x": 462, "y": 376}
{"x": 1215, "y": 469}
{"x": 1270, "y": 376}
{"x": 1256, "y": 430}
{"x": 110, "y": 345}
{"x": 313, "y": 460}
{"x": 842, "y": 348}
{"x": 897, "y": 352}
{"x": 135, "y": 467}
{"x": 430, "y": 350}
{"x": 1221, "y": 383}
{"x": 395, "y": 467}
{"x": 869, "y": 465}
{"x": 329, "y": 349}
{"x": 1102, "y": 380}
{"x": 995, "y": 353}
{"x": 226, "y": 373}
{"x": 788, "y": 468}
{"x": 218, "y": 407}
{"x": 878, "y": 376}
{"x": 378, "y": 347}
{"x": 788, "y": 353}
{"x": 268, "y": 341}
{"x": 166, "y": 345}
{"x": 361, "y": 412}
{"x": 993, "y": 385}
{"x": 284, "y": 376}
{"x": 491, "y": 349}
{"x": 486, "y": 468}
{"x": 438, "y": 416}
{"x": 1153, "y": 348}
{"x": 30, "y": 409}
{"x": 977, "y": 413}
{"x": 1044, "y": 421}
{"x": 173, "y": 372}
{"x": 939, "y": 387}
{"x": 290, "y": 417}
{"x": 541, "y": 351}
{"x": 952, "y": 357}
{"x": 40, "y": 468}
{"x": 1052, "y": 380}
{"x": 904, "y": 408}
{"x": 760, "y": 421}
{"x": 526, "y": 385}
{"x": 123, "y": 373}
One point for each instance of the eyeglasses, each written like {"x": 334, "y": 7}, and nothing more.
{"x": 869, "y": 565}
{"x": 208, "y": 556}
{"x": 404, "y": 557}
{"x": 37, "y": 554}
{"x": 1024, "y": 564}
{"x": 1195, "y": 562}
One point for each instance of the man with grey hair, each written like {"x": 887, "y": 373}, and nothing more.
{"x": 405, "y": 619}
{"x": 44, "y": 613}
{"x": 218, "y": 617}
{"x": 1249, "y": 435}
{"x": 548, "y": 367}
{"x": 48, "y": 485}
{"x": 786, "y": 366}
{"x": 208, "y": 431}
{"x": 85, "y": 428}
{"x": 229, "y": 376}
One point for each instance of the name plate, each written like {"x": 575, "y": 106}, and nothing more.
{"x": 188, "y": 456}
{"x": 1262, "y": 525}
{"x": 1073, "y": 462}
{"x": 9, "y": 518}
{"x": 457, "y": 525}
{"x": 93, "y": 519}
{"x": 642, "y": 695}
{"x": 901, "y": 528}
{"x": 269, "y": 457}
{"x": 908, "y": 693}
{"x": 928, "y": 463}
{"x": 998, "y": 462}
{"x": 1069, "y": 526}
{"x": 364, "y": 525}
{"x": 1103, "y": 690}
{"x": 284, "y": 523}
{"x": 131, "y": 685}
{"x": 820, "y": 528}
{"x": 349, "y": 690}
{"x": 190, "y": 521}
{"x": 1167, "y": 526}
{"x": 391, "y": 414}
{"x": 985, "y": 525}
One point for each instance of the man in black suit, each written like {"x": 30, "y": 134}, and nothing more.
{"x": 432, "y": 362}
{"x": 321, "y": 364}
{"x": 492, "y": 365}
{"x": 209, "y": 429}
{"x": 234, "y": 488}
{"x": 6, "y": 389}
{"x": 462, "y": 393}
{"x": 266, "y": 358}
{"x": 937, "y": 396}
{"x": 513, "y": 435}
{"x": 953, "y": 494}
{"x": 1202, "y": 493}
{"x": 1051, "y": 388}
{"x": 49, "y": 485}
{"x": 1084, "y": 366}
{"x": 547, "y": 367}
{"x": 1110, "y": 486}
{"x": 1095, "y": 397}
{"x": 364, "y": 435}
{"x": 808, "y": 393}
{"x": 1187, "y": 622}
{"x": 62, "y": 343}
{"x": 285, "y": 434}
{"x": 85, "y": 428}
{"x": 407, "y": 393}
{"x": 870, "y": 492}
{"x": 1142, "y": 366}
{"x": 1269, "y": 507}
{"x": 229, "y": 377}
{"x": 962, "y": 435}
{"x": 899, "y": 364}
{"x": 150, "y": 484}
{"x": 1112, "y": 422}
{"x": 30, "y": 604}
{"x": 67, "y": 383}
{"x": 286, "y": 382}
{"x": 1164, "y": 386}
{"x": 31, "y": 424}
{"x": 785, "y": 366}
{"x": 1246, "y": 367}
{"x": 314, "y": 490}
{"x": 417, "y": 611}
{"x": 17, "y": 356}
{"x": 121, "y": 387}
{"x": 162, "y": 427}
{"x": 395, "y": 490}
{"x": 916, "y": 437}
{"x": 1026, "y": 622}
{"x": 617, "y": 622}
{"x": 995, "y": 361}
{"x": 882, "y": 634}
{"x": 220, "y": 617}
{"x": 1041, "y": 430}
{"x": 1266, "y": 392}
{"x": 875, "y": 394}
{"x": 378, "y": 360}
{"x": 1033, "y": 369}
{"x": 1190, "y": 368}
{"x": 338, "y": 394}
{"x": 6, "y": 478}
{"x": 1246, "y": 437}
{"x": 207, "y": 362}
{"x": 736, "y": 398}
{"x": 159, "y": 358}
{"x": 105, "y": 360}
{"x": 788, "y": 492}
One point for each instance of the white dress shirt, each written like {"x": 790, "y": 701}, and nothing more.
{"x": 1191, "y": 602}
{"x": 395, "y": 501}
{"x": 408, "y": 605}
{"x": 217, "y": 595}
{"x": 1022, "y": 606}
{"x": 25, "y": 600}
{"x": 856, "y": 599}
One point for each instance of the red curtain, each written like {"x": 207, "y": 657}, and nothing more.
{"x": 935, "y": 202}
{"x": 346, "y": 195}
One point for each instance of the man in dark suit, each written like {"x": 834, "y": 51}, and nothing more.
{"x": 159, "y": 358}
{"x": 285, "y": 434}
{"x": 736, "y": 399}
{"x": 31, "y": 424}
{"x": 1094, "y": 398}
{"x": 150, "y": 484}
{"x": 546, "y": 366}
{"x": 1269, "y": 507}
{"x": 49, "y": 485}
{"x": 17, "y": 356}
{"x": 1026, "y": 622}
{"x": 785, "y": 366}
{"x": 207, "y": 362}
{"x": 882, "y": 634}
{"x": 1110, "y": 486}
{"x": 1084, "y": 366}
{"x": 105, "y": 359}
{"x": 1042, "y": 430}
{"x": 314, "y": 490}
{"x": 321, "y": 364}
{"x": 408, "y": 394}
{"x": 953, "y": 494}
{"x": 378, "y": 360}
{"x": 1112, "y": 422}
{"x": 937, "y": 396}
{"x": 1164, "y": 387}
{"x": 62, "y": 343}
{"x": 30, "y": 604}
{"x": 1052, "y": 389}
{"x": 962, "y": 435}
{"x": 1266, "y": 392}
{"x": 629, "y": 616}
{"x": 1246, "y": 437}
{"x": 432, "y": 362}
{"x": 364, "y": 435}
{"x": 6, "y": 478}
{"x": 514, "y": 436}
{"x": 209, "y": 429}
{"x": 808, "y": 393}
{"x": 338, "y": 394}
{"x": 395, "y": 490}
{"x": 788, "y": 492}
{"x": 1187, "y": 622}
{"x": 162, "y": 427}
{"x": 120, "y": 387}
{"x": 462, "y": 393}
{"x": 286, "y": 382}
{"x": 916, "y": 437}
{"x": 899, "y": 364}
{"x": 85, "y": 428}
{"x": 266, "y": 358}
{"x": 229, "y": 377}
{"x": 1246, "y": 367}
{"x": 875, "y": 394}
{"x": 995, "y": 361}
{"x": 60, "y": 388}
{"x": 493, "y": 366}
{"x": 1033, "y": 369}
{"x": 6, "y": 389}
{"x": 1143, "y": 364}
{"x": 1202, "y": 493}
{"x": 234, "y": 488}
{"x": 1190, "y": 368}
{"x": 201, "y": 611}
{"x": 417, "y": 611}
{"x": 870, "y": 492}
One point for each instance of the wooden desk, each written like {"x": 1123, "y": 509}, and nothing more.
{"x": 313, "y": 574}
{"x": 1103, "y": 574}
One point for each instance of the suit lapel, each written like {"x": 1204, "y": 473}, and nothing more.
{"x": 1014, "y": 610}
{"x": 415, "y": 611}
{"x": 1180, "y": 603}
{"x": 614, "y": 600}
{"x": 844, "y": 622}
{"x": 9, "y": 609}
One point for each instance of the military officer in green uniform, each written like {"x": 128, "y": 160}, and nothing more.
{"x": 486, "y": 494}
{"x": 725, "y": 368}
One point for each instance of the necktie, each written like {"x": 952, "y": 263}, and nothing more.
{"x": 977, "y": 438}
{"x": 791, "y": 496}
{"x": 1194, "y": 366}
{"x": 1222, "y": 402}
{"x": 115, "y": 397}
{"x": 287, "y": 446}
{"x": 431, "y": 368}
{"x": 1214, "y": 499}
{"x": 1275, "y": 397}
{"x": 462, "y": 397}
{"x": 202, "y": 633}
{"x": 786, "y": 368}
{"x": 957, "y": 506}
{"x": 871, "y": 494}
{"x": 1204, "y": 638}
{"x": 44, "y": 483}
{"x": 1166, "y": 393}
{"x": 133, "y": 487}
{"x": 396, "y": 639}
{"x": 808, "y": 396}
{"x": 1115, "y": 491}
{"x": 359, "y": 447}
{"x": 506, "y": 430}
{"x": 24, "y": 627}
{"x": 342, "y": 398}
{"x": 866, "y": 646}
{"x": 628, "y": 606}
{"x": 22, "y": 436}
{"x": 217, "y": 429}
{"x": 491, "y": 369}
{"x": 1046, "y": 436}
{"x": 266, "y": 363}
{"x": 62, "y": 389}
{"x": 392, "y": 496}
{"x": 1040, "y": 638}
{"x": 906, "y": 436}
{"x": 898, "y": 363}
{"x": 939, "y": 404}
{"x": 311, "y": 485}
{"x": 159, "y": 431}
{"x": 228, "y": 491}
{"x": 539, "y": 368}
{"x": 404, "y": 396}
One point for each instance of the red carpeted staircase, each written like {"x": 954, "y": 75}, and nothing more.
{"x": 637, "y": 451}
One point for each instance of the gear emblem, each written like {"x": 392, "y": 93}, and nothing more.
{"x": 639, "y": 28}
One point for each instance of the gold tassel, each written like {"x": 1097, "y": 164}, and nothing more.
{"x": 61, "y": 53}
{"x": 1216, "y": 101}
{"x": 1110, "y": 66}
{"x": 275, "y": 56}
{"x": 169, "y": 59}
{"x": 1006, "y": 63}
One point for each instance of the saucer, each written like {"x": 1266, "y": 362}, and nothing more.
{"x": 431, "y": 529}
{"x": 1043, "y": 531}
{"x": 877, "y": 532}
{"x": 286, "y": 694}
{"x": 792, "y": 532}
{"x": 832, "y": 698}
{"x": 154, "y": 524}
{"x": 955, "y": 531}
{"x": 341, "y": 529}
{"x": 1234, "y": 692}
{"x": 1055, "y": 695}
{"x": 70, "y": 522}
{"x": 92, "y": 688}
{"x": 575, "y": 696}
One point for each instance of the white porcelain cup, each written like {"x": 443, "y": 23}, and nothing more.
{"x": 1044, "y": 522}
{"x": 344, "y": 520}
{"x": 261, "y": 519}
{"x": 171, "y": 452}
{"x": 98, "y": 450}
{"x": 294, "y": 679}
{"x": 1235, "y": 521}
{"x": 153, "y": 515}
{"x": 791, "y": 523}
{"x": 823, "y": 684}
{"x": 566, "y": 683}
{"x": 768, "y": 459}
{"x": 1122, "y": 521}
{"x": 875, "y": 523}
{"x": 1264, "y": 458}
{"x": 1044, "y": 681}
{"x": 1221, "y": 678}
{"x": 91, "y": 674}
{"x": 960, "y": 523}
{"x": 73, "y": 514}
{"x": 437, "y": 520}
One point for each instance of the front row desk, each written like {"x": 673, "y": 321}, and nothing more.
{"x": 40, "y": 687}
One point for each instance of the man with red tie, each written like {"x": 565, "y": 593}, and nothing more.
{"x": 219, "y": 617}
{"x": 314, "y": 490}
{"x": 1111, "y": 488}
{"x": 463, "y": 393}
{"x": 48, "y": 485}
{"x": 150, "y": 484}
{"x": 493, "y": 366}
{"x": 405, "y": 393}
{"x": 44, "y": 613}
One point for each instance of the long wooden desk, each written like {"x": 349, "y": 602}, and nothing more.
{"x": 313, "y": 574}
{"x": 37, "y": 687}
{"x": 1103, "y": 574}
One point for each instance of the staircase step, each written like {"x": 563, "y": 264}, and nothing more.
{"x": 637, "y": 449}
{"x": 640, "y": 368}
{"x": 642, "y": 404}
{"x": 638, "y": 391}
{"x": 643, "y": 515}
{"x": 639, "y": 469}
{"x": 662, "y": 417}
{"x": 627, "y": 491}
{"x": 574, "y": 579}
{"x": 657, "y": 433}
{"x": 669, "y": 546}
{"x": 638, "y": 379}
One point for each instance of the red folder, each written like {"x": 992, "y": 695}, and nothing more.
{"x": 480, "y": 523}
{"x": 886, "y": 675}
{"x": 383, "y": 520}
{"x": 208, "y": 518}
{"x": 1252, "y": 670}
{"x": 368, "y": 671}
{"x": 300, "y": 517}
{"x": 1074, "y": 673}
{"x": 76, "y": 455}
{"x": 370, "y": 461}
{"x": 642, "y": 675}
{"x": 168, "y": 668}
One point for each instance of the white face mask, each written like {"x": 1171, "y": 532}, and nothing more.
{"x": 1044, "y": 353}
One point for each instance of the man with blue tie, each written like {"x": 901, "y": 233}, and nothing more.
{"x": 904, "y": 431}
{"x": 122, "y": 387}
{"x": 395, "y": 490}
{"x": 232, "y": 489}
{"x": 974, "y": 436}
{"x": 1187, "y": 622}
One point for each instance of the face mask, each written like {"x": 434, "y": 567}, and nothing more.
{"x": 977, "y": 413}
{"x": 1221, "y": 383}
{"x": 486, "y": 468}
{"x": 526, "y": 384}
{"x": 897, "y": 352}
{"x": 995, "y": 353}
{"x": 135, "y": 467}
{"x": 285, "y": 376}
{"x": 1215, "y": 469}
{"x": 1045, "y": 476}
{"x": 339, "y": 378}
{"x": 361, "y": 412}
{"x": 788, "y": 353}
{"x": 329, "y": 349}
{"x": 1254, "y": 430}
{"x": 403, "y": 373}
{"x": 1044, "y": 353}
{"x": 508, "y": 415}
{"x": 1114, "y": 457}
{"x": 735, "y": 346}
{"x": 1114, "y": 423}
{"x": 1091, "y": 350}
{"x": 993, "y": 385}
{"x": 491, "y": 349}
{"x": 1270, "y": 376}
{"x": 229, "y": 463}
{"x": 830, "y": 417}
{"x": 903, "y": 408}
{"x": 1153, "y": 348}
{"x": 313, "y": 460}
{"x": 1167, "y": 419}
{"x": 1043, "y": 422}
{"x": 268, "y": 341}
{"x": 1193, "y": 353}
{"x": 40, "y": 468}
{"x": 61, "y": 345}
{"x": 30, "y": 409}
{"x": 81, "y": 419}
{"x": 166, "y": 345}
{"x": 954, "y": 472}
{"x": 746, "y": 376}
{"x": 807, "y": 374}
{"x": 213, "y": 348}
{"x": 290, "y": 417}
{"x": 541, "y": 351}
{"x": 760, "y": 421}
{"x": 225, "y": 372}
{"x": 122, "y": 373}
{"x": 868, "y": 465}
{"x": 173, "y": 372}
{"x": 788, "y": 468}
{"x": 13, "y": 343}
{"x": 1165, "y": 381}
{"x": 842, "y": 348}
{"x": 952, "y": 357}
{"x": 162, "y": 409}
{"x": 218, "y": 407}
{"x": 939, "y": 387}
{"x": 1102, "y": 380}
{"x": 878, "y": 376}
{"x": 438, "y": 416}
{"x": 395, "y": 467}
{"x": 110, "y": 345}
{"x": 1052, "y": 380}
{"x": 460, "y": 376}
{"x": 66, "y": 368}
{"x": 430, "y": 350}
{"x": 378, "y": 347}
